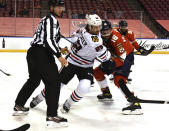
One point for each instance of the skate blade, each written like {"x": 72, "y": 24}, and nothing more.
{"x": 20, "y": 113}
{"x": 135, "y": 112}
{"x": 106, "y": 100}
{"x": 51, "y": 124}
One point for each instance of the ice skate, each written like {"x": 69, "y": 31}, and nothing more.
{"x": 57, "y": 121}
{"x": 66, "y": 107}
{"x": 36, "y": 101}
{"x": 105, "y": 96}
{"x": 20, "y": 110}
{"x": 133, "y": 109}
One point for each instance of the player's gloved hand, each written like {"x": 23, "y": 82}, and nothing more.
{"x": 64, "y": 51}
{"x": 143, "y": 51}
{"x": 63, "y": 61}
{"x": 108, "y": 66}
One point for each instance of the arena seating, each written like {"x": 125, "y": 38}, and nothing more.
{"x": 110, "y": 9}
{"x": 113, "y": 8}
{"x": 158, "y": 9}
{"x": 24, "y": 8}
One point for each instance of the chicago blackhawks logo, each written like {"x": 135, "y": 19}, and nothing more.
{"x": 95, "y": 39}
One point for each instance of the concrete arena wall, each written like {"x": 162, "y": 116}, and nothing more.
{"x": 21, "y": 44}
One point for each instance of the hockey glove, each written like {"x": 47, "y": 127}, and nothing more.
{"x": 146, "y": 52}
{"x": 142, "y": 50}
{"x": 108, "y": 66}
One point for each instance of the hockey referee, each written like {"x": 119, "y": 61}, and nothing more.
{"x": 42, "y": 66}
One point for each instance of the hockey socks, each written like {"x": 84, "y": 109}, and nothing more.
{"x": 103, "y": 83}
{"x": 75, "y": 97}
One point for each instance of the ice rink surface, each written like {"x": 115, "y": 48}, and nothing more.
{"x": 150, "y": 81}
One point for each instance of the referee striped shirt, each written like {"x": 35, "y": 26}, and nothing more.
{"x": 48, "y": 34}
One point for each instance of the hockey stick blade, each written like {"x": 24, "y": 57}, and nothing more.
{"x": 21, "y": 128}
{"x": 148, "y": 101}
{"x": 5, "y": 73}
{"x": 153, "y": 101}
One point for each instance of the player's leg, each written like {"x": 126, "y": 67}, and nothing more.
{"x": 102, "y": 82}
{"x": 38, "y": 99}
{"x": 128, "y": 62}
{"x": 66, "y": 74}
{"x": 111, "y": 78}
{"x": 81, "y": 90}
{"x": 50, "y": 77}
{"x": 31, "y": 84}
{"x": 85, "y": 76}
{"x": 134, "y": 108}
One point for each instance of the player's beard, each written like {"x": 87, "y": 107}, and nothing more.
{"x": 122, "y": 31}
{"x": 106, "y": 39}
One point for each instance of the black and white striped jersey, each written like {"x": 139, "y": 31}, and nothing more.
{"x": 48, "y": 34}
{"x": 86, "y": 48}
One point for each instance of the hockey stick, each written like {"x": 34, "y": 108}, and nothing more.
{"x": 5, "y": 73}
{"x": 21, "y": 128}
{"x": 132, "y": 98}
{"x": 148, "y": 101}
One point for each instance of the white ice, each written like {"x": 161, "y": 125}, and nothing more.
{"x": 150, "y": 81}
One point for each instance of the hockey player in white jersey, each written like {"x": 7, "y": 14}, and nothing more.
{"x": 86, "y": 47}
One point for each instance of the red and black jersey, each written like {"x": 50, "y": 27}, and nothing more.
{"x": 131, "y": 37}
{"x": 120, "y": 46}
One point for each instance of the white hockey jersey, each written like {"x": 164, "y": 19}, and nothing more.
{"x": 86, "y": 48}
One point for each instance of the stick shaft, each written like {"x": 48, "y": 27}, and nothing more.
{"x": 150, "y": 101}
{"x": 5, "y": 72}
{"x": 21, "y": 128}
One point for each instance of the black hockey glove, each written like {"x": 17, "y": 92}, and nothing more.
{"x": 108, "y": 66}
{"x": 142, "y": 51}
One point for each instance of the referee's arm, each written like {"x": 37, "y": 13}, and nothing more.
{"x": 50, "y": 36}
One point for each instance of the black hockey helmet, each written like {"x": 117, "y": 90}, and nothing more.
{"x": 106, "y": 25}
{"x": 123, "y": 23}
{"x": 56, "y": 3}
{"x": 123, "y": 27}
{"x": 106, "y": 30}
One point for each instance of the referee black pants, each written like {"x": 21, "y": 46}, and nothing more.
{"x": 41, "y": 66}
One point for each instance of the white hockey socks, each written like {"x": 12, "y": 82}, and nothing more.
{"x": 103, "y": 83}
{"x": 82, "y": 89}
